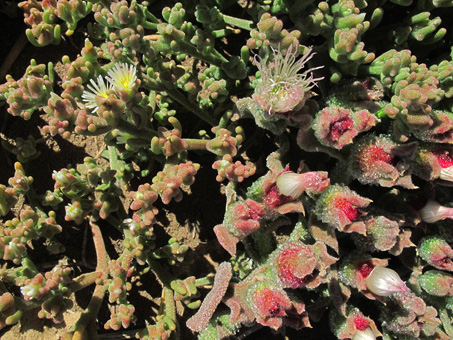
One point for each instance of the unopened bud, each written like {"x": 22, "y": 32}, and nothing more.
{"x": 383, "y": 281}
{"x": 433, "y": 212}
{"x": 366, "y": 334}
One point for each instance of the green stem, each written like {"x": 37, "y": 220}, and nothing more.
{"x": 150, "y": 25}
{"x": 197, "y": 144}
{"x": 224, "y": 120}
{"x": 223, "y": 32}
{"x": 215, "y": 58}
{"x": 90, "y": 313}
{"x": 204, "y": 281}
{"x": 170, "y": 309}
{"x": 176, "y": 95}
{"x": 100, "y": 130}
{"x": 162, "y": 275}
{"x": 101, "y": 253}
{"x": 127, "y": 127}
{"x": 241, "y": 23}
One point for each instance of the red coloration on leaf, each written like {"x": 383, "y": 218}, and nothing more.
{"x": 295, "y": 264}
{"x": 255, "y": 209}
{"x": 365, "y": 268}
{"x": 444, "y": 158}
{"x": 339, "y": 127}
{"x": 361, "y": 323}
{"x": 376, "y": 153}
{"x": 351, "y": 211}
{"x": 247, "y": 216}
{"x": 270, "y": 303}
{"x": 273, "y": 199}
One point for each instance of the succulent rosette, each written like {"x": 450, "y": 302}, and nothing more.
{"x": 342, "y": 208}
{"x": 378, "y": 160}
{"x": 272, "y": 307}
{"x": 300, "y": 265}
{"x": 405, "y": 313}
{"x": 336, "y": 126}
{"x": 384, "y": 234}
{"x": 353, "y": 325}
{"x": 241, "y": 219}
{"x": 436, "y": 252}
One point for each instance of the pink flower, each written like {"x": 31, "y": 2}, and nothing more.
{"x": 445, "y": 160}
{"x": 366, "y": 334}
{"x": 282, "y": 88}
{"x": 434, "y": 162}
{"x": 247, "y": 215}
{"x": 274, "y": 198}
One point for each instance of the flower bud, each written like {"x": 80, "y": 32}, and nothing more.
{"x": 433, "y": 212}
{"x": 366, "y": 334}
{"x": 293, "y": 185}
{"x": 383, "y": 281}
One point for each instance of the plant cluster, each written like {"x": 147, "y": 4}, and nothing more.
{"x": 327, "y": 124}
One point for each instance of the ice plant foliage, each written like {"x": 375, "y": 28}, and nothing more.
{"x": 336, "y": 168}
{"x": 283, "y": 88}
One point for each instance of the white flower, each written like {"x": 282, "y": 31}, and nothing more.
{"x": 447, "y": 174}
{"x": 433, "y": 212}
{"x": 133, "y": 226}
{"x": 383, "y": 281}
{"x": 59, "y": 177}
{"x": 73, "y": 211}
{"x": 367, "y": 334}
{"x": 289, "y": 184}
{"x": 13, "y": 246}
{"x": 98, "y": 88}
{"x": 293, "y": 185}
{"x": 29, "y": 291}
{"x": 122, "y": 77}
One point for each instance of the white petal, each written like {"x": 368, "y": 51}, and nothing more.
{"x": 289, "y": 184}
{"x": 383, "y": 281}
{"x": 433, "y": 212}
{"x": 447, "y": 174}
{"x": 367, "y": 334}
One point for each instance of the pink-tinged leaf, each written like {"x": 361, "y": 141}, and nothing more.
{"x": 226, "y": 239}
{"x": 323, "y": 232}
{"x": 200, "y": 320}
